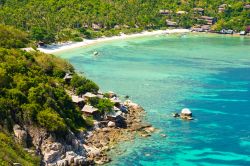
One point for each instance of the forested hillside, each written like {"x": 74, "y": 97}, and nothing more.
{"x": 60, "y": 20}
{"x": 32, "y": 93}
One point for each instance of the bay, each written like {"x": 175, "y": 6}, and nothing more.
{"x": 210, "y": 74}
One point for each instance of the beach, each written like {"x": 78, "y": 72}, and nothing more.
{"x": 53, "y": 48}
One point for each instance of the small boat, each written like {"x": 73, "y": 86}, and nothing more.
{"x": 95, "y": 53}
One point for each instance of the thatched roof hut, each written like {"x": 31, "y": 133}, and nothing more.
{"x": 89, "y": 95}
{"x": 181, "y": 12}
{"x": 165, "y": 12}
{"x": 198, "y": 11}
{"x": 77, "y": 99}
{"x": 171, "y": 23}
{"x": 88, "y": 109}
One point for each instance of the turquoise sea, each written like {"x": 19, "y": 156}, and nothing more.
{"x": 210, "y": 74}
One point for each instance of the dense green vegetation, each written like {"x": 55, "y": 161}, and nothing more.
{"x": 83, "y": 85}
{"x": 10, "y": 153}
{"x": 53, "y": 20}
{"x": 12, "y": 38}
{"x": 104, "y": 105}
{"x": 33, "y": 92}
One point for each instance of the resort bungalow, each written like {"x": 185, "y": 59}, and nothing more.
{"x": 89, "y": 95}
{"x": 89, "y": 110}
{"x": 247, "y": 6}
{"x": 96, "y": 27}
{"x": 171, "y": 23}
{"x": 222, "y": 8}
{"x": 165, "y": 12}
{"x": 205, "y": 28}
{"x": 67, "y": 77}
{"x": 198, "y": 11}
{"x": 181, "y": 12}
{"x": 208, "y": 20}
{"x": 77, "y": 100}
{"x": 197, "y": 28}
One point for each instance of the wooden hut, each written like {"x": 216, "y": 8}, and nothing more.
{"x": 67, "y": 77}
{"x": 165, "y": 12}
{"x": 181, "y": 12}
{"x": 89, "y": 110}
{"x": 89, "y": 95}
{"x": 198, "y": 11}
{"x": 77, "y": 100}
{"x": 171, "y": 23}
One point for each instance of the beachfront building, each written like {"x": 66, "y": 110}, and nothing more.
{"x": 89, "y": 95}
{"x": 247, "y": 6}
{"x": 96, "y": 27}
{"x": 67, "y": 77}
{"x": 208, "y": 20}
{"x": 171, "y": 23}
{"x": 222, "y": 8}
{"x": 198, "y": 11}
{"x": 181, "y": 12}
{"x": 165, "y": 12}
{"x": 89, "y": 110}
{"x": 77, "y": 100}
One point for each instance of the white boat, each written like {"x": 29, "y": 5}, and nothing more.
{"x": 95, "y": 53}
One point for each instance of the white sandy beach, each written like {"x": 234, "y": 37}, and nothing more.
{"x": 71, "y": 45}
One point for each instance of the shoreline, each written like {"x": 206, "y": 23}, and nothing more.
{"x": 54, "y": 48}
{"x": 103, "y": 139}
{"x": 60, "y": 47}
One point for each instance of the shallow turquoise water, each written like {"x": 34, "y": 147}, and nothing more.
{"x": 209, "y": 74}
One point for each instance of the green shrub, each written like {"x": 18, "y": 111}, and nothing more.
{"x": 88, "y": 86}
{"x": 51, "y": 120}
{"x": 105, "y": 105}
{"x": 10, "y": 152}
{"x": 89, "y": 121}
{"x": 12, "y": 38}
{"x": 77, "y": 39}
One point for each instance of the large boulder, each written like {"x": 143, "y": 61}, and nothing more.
{"x": 111, "y": 124}
{"x": 20, "y": 135}
{"x": 52, "y": 151}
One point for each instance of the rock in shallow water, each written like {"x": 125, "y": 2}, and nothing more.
{"x": 111, "y": 124}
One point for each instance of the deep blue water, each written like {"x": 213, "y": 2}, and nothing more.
{"x": 209, "y": 74}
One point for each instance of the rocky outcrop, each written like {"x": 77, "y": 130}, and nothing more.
{"x": 58, "y": 152}
{"x": 85, "y": 148}
{"x": 104, "y": 137}
{"x": 20, "y": 135}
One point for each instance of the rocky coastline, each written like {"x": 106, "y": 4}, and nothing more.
{"x": 87, "y": 147}
{"x": 104, "y": 137}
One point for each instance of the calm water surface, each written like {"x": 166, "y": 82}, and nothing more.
{"x": 209, "y": 74}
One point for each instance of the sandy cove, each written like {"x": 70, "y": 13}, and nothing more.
{"x": 54, "y": 48}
